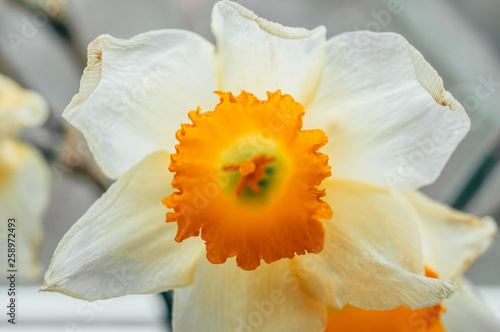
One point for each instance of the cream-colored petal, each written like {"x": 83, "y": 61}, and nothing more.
{"x": 451, "y": 240}
{"x": 465, "y": 312}
{"x": 134, "y": 94}
{"x": 227, "y": 298}
{"x": 372, "y": 257}
{"x": 19, "y": 107}
{"x": 122, "y": 245}
{"x": 256, "y": 55}
{"x": 24, "y": 195}
{"x": 387, "y": 116}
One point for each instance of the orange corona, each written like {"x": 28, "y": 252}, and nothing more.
{"x": 247, "y": 177}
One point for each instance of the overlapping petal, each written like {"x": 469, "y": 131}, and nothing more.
{"x": 451, "y": 240}
{"x": 257, "y": 56}
{"x": 388, "y": 118}
{"x": 227, "y": 298}
{"x": 121, "y": 245}
{"x": 134, "y": 94}
{"x": 372, "y": 255}
{"x": 24, "y": 195}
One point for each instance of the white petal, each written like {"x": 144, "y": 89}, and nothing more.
{"x": 256, "y": 55}
{"x": 122, "y": 245}
{"x": 372, "y": 257}
{"x": 227, "y": 298}
{"x": 134, "y": 94}
{"x": 388, "y": 118}
{"x": 465, "y": 312}
{"x": 451, "y": 239}
{"x": 24, "y": 195}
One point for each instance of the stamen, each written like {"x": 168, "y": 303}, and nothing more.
{"x": 252, "y": 171}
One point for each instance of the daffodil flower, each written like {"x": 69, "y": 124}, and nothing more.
{"x": 24, "y": 180}
{"x": 261, "y": 234}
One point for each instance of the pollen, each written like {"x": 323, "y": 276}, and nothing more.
{"x": 247, "y": 177}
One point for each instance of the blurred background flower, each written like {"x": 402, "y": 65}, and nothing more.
{"x": 43, "y": 47}
{"x": 24, "y": 180}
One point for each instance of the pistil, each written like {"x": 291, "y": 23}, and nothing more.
{"x": 251, "y": 172}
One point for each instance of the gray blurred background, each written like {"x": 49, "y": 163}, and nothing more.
{"x": 461, "y": 39}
